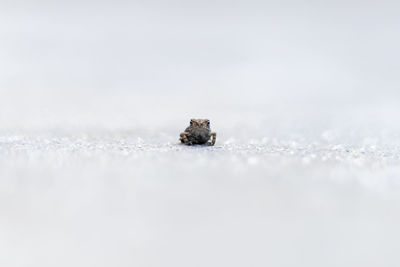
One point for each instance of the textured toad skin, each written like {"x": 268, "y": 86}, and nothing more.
{"x": 198, "y": 133}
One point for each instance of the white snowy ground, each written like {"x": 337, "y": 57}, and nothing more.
{"x": 276, "y": 190}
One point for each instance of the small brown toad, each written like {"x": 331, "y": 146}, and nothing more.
{"x": 198, "y": 133}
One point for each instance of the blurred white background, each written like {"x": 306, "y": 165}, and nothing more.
{"x": 102, "y": 62}
{"x": 304, "y": 97}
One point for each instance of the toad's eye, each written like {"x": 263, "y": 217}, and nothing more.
{"x": 208, "y": 123}
{"x": 191, "y": 122}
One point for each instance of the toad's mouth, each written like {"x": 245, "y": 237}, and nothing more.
{"x": 201, "y": 131}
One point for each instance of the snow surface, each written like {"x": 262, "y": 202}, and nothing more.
{"x": 120, "y": 198}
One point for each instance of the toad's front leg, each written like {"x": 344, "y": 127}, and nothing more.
{"x": 184, "y": 139}
{"x": 212, "y": 140}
